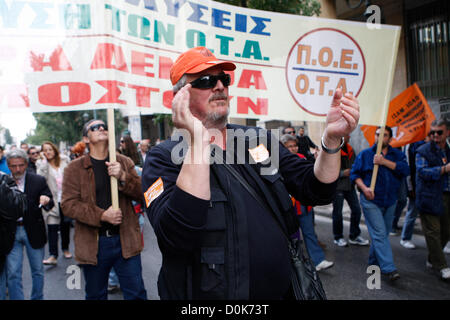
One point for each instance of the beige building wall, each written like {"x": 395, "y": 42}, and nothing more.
{"x": 392, "y": 13}
{"x": 394, "y": 16}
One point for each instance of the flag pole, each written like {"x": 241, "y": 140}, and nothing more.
{"x": 375, "y": 167}
{"x": 112, "y": 157}
{"x": 386, "y": 105}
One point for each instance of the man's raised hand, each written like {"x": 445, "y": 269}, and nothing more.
{"x": 343, "y": 116}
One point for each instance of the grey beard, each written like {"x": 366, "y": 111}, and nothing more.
{"x": 215, "y": 120}
{"x": 18, "y": 177}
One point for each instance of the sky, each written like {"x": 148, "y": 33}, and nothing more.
{"x": 18, "y": 123}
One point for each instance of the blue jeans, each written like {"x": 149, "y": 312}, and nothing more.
{"x": 355, "y": 217}
{"x": 14, "y": 262}
{"x": 307, "y": 226}
{"x": 379, "y": 224}
{"x": 128, "y": 270}
{"x": 410, "y": 219}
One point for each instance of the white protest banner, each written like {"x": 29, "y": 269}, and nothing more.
{"x": 79, "y": 55}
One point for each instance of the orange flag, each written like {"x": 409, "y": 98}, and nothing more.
{"x": 410, "y": 113}
{"x": 369, "y": 133}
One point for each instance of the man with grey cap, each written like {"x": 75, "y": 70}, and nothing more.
{"x": 217, "y": 240}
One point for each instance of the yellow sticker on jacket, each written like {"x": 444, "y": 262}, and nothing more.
{"x": 154, "y": 191}
{"x": 260, "y": 153}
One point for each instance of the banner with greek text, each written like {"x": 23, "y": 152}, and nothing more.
{"x": 80, "y": 55}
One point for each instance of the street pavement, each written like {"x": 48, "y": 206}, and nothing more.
{"x": 346, "y": 280}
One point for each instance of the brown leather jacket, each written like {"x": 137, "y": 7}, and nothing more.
{"x": 79, "y": 202}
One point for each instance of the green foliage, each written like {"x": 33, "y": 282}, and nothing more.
{"x": 160, "y": 117}
{"x": 8, "y": 137}
{"x": 301, "y": 7}
{"x": 67, "y": 126}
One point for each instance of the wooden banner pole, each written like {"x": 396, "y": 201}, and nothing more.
{"x": 112, "y": 157}
{"x": 375, "y": 167}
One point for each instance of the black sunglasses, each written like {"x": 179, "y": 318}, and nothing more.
{"x": 209, "y": 81}
{"x": 289, "y": 132}
{"x": 439, "y": 132}
{"x": 97, "y": 127}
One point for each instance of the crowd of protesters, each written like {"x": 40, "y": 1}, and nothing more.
{"x": 38, "y": 173}
{"x": 424, "y": 161}
{"x": 354, "y": 179}
{"x": 221, "y": 228}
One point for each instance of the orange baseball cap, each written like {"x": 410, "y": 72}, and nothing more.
{"x": 196, "y": 60}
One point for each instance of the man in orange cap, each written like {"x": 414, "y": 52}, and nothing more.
{"x": 216, "y": 222}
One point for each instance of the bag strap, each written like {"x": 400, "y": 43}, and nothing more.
{"x": 266, "y": 204}
{"x": 255, "y": 195}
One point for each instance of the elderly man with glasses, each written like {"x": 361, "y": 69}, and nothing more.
{"x": 218, "y": 238}
{"x": 105, "y": 237}
{"x": 433, "y": 195}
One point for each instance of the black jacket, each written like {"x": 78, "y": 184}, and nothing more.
{"x": 347, "y": 159}
{"x": 35, "y": 186}
{"x": 304, "y": 144}
{"x": 12, "y": 206}
{"x": 31, "y": 166}
{"x": 205, "y": 244}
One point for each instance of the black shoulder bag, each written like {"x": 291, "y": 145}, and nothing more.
{"x": 305, "y": 281}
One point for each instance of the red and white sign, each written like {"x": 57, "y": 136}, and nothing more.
{"x": 315, "y": 70}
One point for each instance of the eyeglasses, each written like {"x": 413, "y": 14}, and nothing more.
{"x": 209, "y": 81}
{"x": 121, "y": 141}
{"x": 439, "y": 132}
{"x": 97, "y": 127}
{"x": 290, "y": 132}
{"x": 34, "y": 153}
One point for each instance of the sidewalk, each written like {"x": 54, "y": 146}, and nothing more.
{"x": 326, "y": 211}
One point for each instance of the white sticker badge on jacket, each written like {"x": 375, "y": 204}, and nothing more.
{"x": 260, "y": 153}
{"x": 154, "y": 191}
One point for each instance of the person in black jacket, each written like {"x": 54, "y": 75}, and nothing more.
{"x": 12, "y": 206}
{"x": 30, "y": 228}
{"x": 217, "y": 240}
{"x": 305, "y": 143}
{"x": 33, "y": 157}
